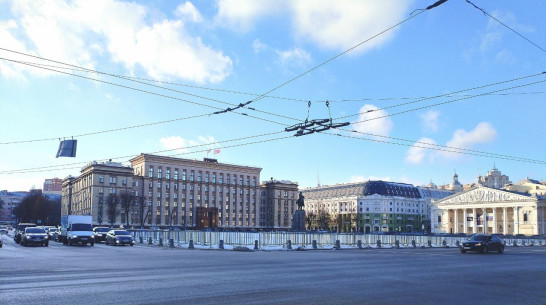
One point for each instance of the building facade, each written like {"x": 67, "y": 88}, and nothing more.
{"x": 528, "y": 186}
{"x": 494, "y": 179}
{"x": 53, "y": 186}
{"x": 10, "y": 201}
{"x": 98, "y": 192}
{"x": 165, "y": 191}
{"x": 277, "y": 203}
{"x": 429, "y": 193}
{"x": 489, "y": 210}
{"x": 370, "y": 206}
{"x": 175, "y": 189}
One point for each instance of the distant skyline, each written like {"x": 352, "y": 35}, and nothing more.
{"x": 125, "y": 78}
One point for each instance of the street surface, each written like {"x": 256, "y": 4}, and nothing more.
{"x": 154, "y": 275}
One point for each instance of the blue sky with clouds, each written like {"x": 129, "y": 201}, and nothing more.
{"x": 174, "y": 63}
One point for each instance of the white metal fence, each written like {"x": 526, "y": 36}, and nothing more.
{"x": 306, "y": 239}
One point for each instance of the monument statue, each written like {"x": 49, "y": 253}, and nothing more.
{"x": 300, "y": 201}
{"x": 298, "y": 220}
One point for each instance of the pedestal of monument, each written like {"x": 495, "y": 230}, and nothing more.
{"x": 298, "y": 221}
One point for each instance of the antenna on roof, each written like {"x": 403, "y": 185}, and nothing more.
{"x": 318, "y": 178}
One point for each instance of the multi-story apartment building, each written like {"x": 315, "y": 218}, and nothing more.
{"x": 165, "y": 191}
{"x": 198, "y": 194}
{"x": 277, "y": 204}
{"x": 10, "y": 201}
{"x": 494, "y": 179}
{"x": 53, "y": 186}
{"x": 98, "y": 192}
{"x": 369, "y": 206}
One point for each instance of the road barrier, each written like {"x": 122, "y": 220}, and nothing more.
{"x": 310, "y": 239}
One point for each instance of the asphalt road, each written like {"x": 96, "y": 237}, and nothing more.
{"x": 153, "y": 275}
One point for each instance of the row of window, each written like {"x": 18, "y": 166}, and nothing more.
{"x": 200, "y": 177}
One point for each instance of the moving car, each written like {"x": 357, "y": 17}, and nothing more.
{"x": 4, "y": 229}
{"x": 51, "y": 233}
{"x": 100, "y": 233}
{"x": 20, "y": 229}
{"x": 33, "y": 236}
{"x": 483, "y": 243}
{"x": 119, "y": 237}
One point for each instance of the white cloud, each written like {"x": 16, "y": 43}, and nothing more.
{"x": 259, "y": 46}
{"x": 176, "y": 142}
{"x": 430, "y": 120}
{"x": 82, "y": 32}
{"x": 240, "y": 15}
{"x": 294, "y": 58}
{"x": 417, "y": 154}
{"x": 188, "y": 12}
{"x": 340, "y": 25}
{"x": 173, "y": 142}
{"x": 331, "y": 24}
{"x": 375, "y": 122}
{"x": 482, "y": 133}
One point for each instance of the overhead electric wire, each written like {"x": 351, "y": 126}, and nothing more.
{"x": 263, "y": 95}
{"x": 155, "y": 152}
{"x": 487, "y": 155}
{"x": 451, "y": 93}
{"x": 448, "y": 147}
{"x": 446, "y": 102}
{"x": 82, "y": 69}
{"x": 107, "y": 130}
{"x": 144, "y": 91}
{"x": 506, "y": 26}
{"x": 393, "y": 114}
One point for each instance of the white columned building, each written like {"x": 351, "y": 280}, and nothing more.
{"x": 488, "y": 210}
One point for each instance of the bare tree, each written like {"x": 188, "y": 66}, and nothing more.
{"x": 127, "y": 201}
{"x": 39, "y": 209}
{"x": 310, "y": 219}
{"x": 111, "y": 210}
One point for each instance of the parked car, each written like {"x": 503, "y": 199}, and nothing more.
{"x": 119, "y": 237}
{"x": 33, "y": 236}
{"x": 20, "y": 229}
{"x": 100, "y": 233}
{"x": 483, "y": 243}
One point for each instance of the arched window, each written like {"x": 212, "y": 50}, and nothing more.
{"x": 525, "y": 217}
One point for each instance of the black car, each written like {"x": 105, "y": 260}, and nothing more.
{"x": 483, "y": 243}
{"x": 20, "y": 229}
{"x": 34, "y": 236}
{"x": 100, "y": 233}
{"x": 119, "y": 237}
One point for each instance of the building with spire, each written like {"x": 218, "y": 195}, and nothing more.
{"x": 494, "y": 179}
{"x": 455, "y": 185}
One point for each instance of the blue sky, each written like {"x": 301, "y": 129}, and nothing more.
{"x": 195, "y": 58}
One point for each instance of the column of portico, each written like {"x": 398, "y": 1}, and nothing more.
{"x": 474, "y": 221}
{"x": 456, "y": 220}
{"x": 504, "y": 221}
{"x": 465, "y": 229}
{"x": 495, "y": 220}
{"x": 484, "y": 210}
{"x": 516, "y": 220}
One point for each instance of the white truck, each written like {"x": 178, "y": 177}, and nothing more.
{"x": 77, "y": 229}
